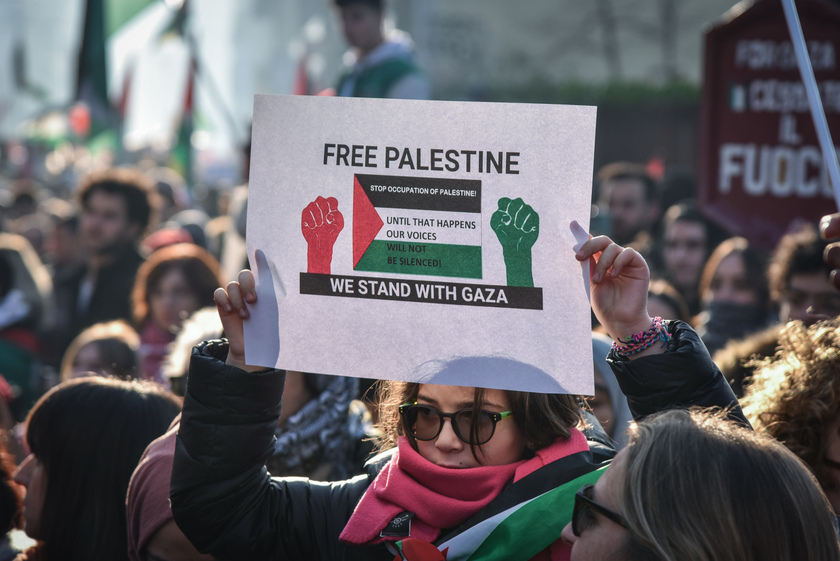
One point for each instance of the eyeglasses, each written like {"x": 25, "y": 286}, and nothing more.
{"x": 582, "y": 517}
{"x": 424, "y": 422}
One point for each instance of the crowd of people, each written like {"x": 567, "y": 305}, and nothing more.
{"x": 132, "y": 426}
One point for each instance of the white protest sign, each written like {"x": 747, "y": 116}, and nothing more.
{"x": 389, "y": 235}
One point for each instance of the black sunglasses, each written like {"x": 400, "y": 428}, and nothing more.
{"x": 424, "y": 422}
{"x": 582, "y": 516}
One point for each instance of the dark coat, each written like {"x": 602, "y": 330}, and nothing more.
{"x": 227, "y": 504}
{"x": 111, "y": 298}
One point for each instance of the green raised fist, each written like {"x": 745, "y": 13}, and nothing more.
{"x": 517, "y": 226}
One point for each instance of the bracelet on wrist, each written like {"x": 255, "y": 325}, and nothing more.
{"x": 638, "y": 342}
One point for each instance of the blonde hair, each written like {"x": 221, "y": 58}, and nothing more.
{"x": 795, "y": 396}
{"x": 699, "y": 487}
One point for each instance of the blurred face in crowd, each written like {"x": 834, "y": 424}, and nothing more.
{"x": 601, "y": 538}
{"x": 105, "y": 226}
{"x": 810, "y": 297}
{"x": 629, "y": 212}
{"x": 32, "y": 475}
{"x": 88, "y": 361}
{"x": 601, "y": 404}
{"x": 447, "y": 450}
{"x": 172, "y": 300}
{"x": 659, "y": 307}
{"x": 729, "y": 283}
{"x": 685, "y": 253}
{"x": 362, "y": 25}
{"x": 61, "y": 245}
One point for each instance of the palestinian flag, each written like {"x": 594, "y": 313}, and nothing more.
{"x": 528, "y": 516}
{"x": 417, "y": 225}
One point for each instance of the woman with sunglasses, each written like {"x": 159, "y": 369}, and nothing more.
{"x": 696, "y": 486}
{"x": 461, "y": 455}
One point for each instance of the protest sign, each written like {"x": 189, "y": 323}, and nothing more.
{"x": 388, "y": 235}
{"x": 761, "y": 168}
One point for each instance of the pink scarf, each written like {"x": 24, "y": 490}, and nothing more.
{"x": 439, "y": 497}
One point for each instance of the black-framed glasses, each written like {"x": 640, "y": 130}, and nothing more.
{"x": 424, "y": 422}
{"x": 582, "y": 517}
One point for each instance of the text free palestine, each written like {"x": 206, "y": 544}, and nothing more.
{"x": 435, "y": 159}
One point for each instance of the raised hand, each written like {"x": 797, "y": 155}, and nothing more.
{"x": 830, "y": 230}
{"x": 619, "y": 280}
{"x": 232, "y": 303}
{"x": 517, "y": 226}
{"x": 321, "y": 222}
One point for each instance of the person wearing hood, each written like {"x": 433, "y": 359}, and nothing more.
{"x": 379, "y": 64}
{"x": 608, "y": 404}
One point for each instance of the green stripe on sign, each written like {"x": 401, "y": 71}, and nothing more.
{"x": 535, "y": 525}
{"x": 411, "y": 258}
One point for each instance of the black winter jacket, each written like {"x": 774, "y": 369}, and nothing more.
{"x": 224, "y": 500}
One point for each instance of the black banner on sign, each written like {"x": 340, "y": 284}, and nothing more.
{"x": 422, "y": 193}
{"x": 411, "y": 290}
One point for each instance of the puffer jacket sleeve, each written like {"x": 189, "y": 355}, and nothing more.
{"x": 223, "y": 498}
{"x": 684, "y": 376}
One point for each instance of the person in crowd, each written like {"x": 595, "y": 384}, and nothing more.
{"x": 379, "y": 64}
{"x": 738, "y": 358}
{"x": 103, "y": 349}
{"x": 203, "y": 325}
{"x": 63, "y": 256}
{"x": 86, "y": 437}
{"x": 687, "y": 239}
{"x": 26, "y": 193}
{"x": 734, "y": 294}
{"x": 62, "y": 246}
{"x": 795, "y": 398}
{"x": 665, "y": 301}
{"x": 631, "y": 197}
{"x": 153, "y": 534}
{"x": 693, "y": 486}
{"x": 173, "y": 283}
{"x": 172, "y": 191}
{"x": 496, "y": 437}
{"x": 194, "y": 221}
{"x": 323, "y": 432}
{"x": 118, "y": 206}
{"x": 25, "y": 315}
{"x": 608, "y": 404}
{"x": 165, "y": 235}
{"x": 800, "y": 280}
{"x": 11, "y": 505}
{"x": 830, "y": 230}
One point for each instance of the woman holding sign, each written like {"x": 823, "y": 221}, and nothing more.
{"x": 476, "y": 473}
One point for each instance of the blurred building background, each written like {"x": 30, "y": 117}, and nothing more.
{"x": 192, "y": 68}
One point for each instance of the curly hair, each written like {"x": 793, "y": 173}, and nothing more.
{"x": 795, "y": 396}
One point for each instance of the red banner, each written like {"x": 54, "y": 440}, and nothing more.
{"x": 760, "y": 162}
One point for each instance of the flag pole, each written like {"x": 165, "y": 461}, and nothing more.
{"x": 814, "y": 101}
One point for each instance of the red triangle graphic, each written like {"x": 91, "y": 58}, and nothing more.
{"x": 366, "y": 222}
